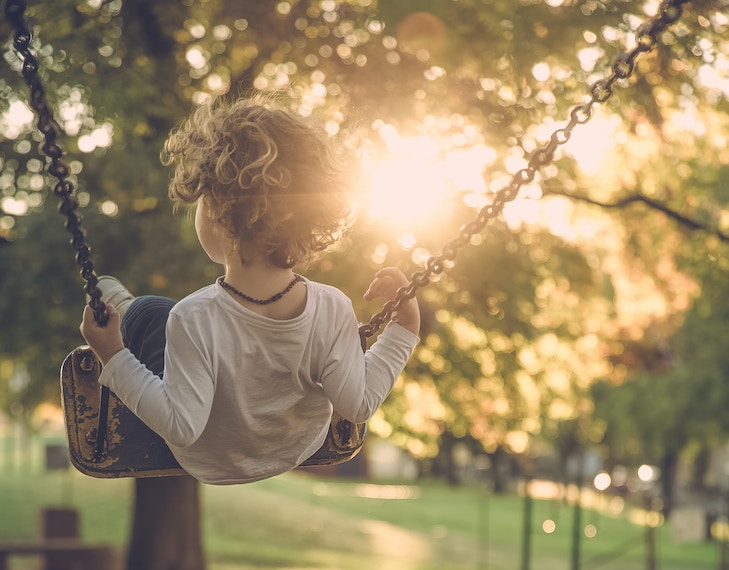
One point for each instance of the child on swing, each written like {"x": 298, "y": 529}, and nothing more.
{"x": 240, "y": 378}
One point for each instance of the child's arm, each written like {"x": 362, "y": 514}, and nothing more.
{"x": 385, "y": 285}
{"x": 178, "y": 408}
{"x": 357, "y": 384}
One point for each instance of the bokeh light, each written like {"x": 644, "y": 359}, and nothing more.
{"x": 602, "y": 481}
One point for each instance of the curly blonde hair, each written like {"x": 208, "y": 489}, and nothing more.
{"x": 269, "y": 180}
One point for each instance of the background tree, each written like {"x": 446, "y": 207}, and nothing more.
{"x": 630, "y": 221}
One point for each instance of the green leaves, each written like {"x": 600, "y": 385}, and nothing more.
{"x": 532, "y": 314}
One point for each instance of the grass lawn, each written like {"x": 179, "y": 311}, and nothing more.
{"x": 299, "y": 521}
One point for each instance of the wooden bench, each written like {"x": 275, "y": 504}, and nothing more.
{"x": 59, "y": 545}
{"x": 61, "y": 554}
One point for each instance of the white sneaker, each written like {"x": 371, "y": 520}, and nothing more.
{"x": 112, "y": 291}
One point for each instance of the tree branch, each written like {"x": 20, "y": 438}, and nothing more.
{"x": 156, "y": 42}
{"x": 626, "y": 201}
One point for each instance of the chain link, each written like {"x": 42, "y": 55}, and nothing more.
{"x": 51, "y": 130}
{"x": 600, "y": 91}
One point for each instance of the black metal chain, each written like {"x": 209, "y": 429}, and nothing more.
{"x": 600, "y": 91}
{"x": 51, "y": 130}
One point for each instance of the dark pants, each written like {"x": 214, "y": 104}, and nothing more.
{"x": 143, "y": 330}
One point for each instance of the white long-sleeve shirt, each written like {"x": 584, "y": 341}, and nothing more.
{"x": 245, "y": 397}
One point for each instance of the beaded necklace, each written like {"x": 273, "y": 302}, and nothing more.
{"x": 268, "y": 301}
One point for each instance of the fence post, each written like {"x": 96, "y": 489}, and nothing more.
{"x": 651, "y": 562}
{"x": 526, "y": 544}
{"x": 577, "y": 525}
{"x": 482, "y": 533}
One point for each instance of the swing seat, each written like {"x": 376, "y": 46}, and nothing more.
{"x": 128, "y": 448}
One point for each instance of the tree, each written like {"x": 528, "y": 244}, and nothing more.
{"x": 679, "y": 399}
{"x": 509, "y": 354}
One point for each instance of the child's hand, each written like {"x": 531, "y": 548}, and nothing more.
{"x": 105, "y": 341}
{"x": 385, "y": 285}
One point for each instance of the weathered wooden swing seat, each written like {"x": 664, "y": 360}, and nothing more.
{"x": 109, "y": 441}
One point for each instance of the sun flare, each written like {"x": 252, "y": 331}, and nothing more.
{"x": 407, "y": 184}
{"x": 407, "y": 190}
{"x": 416, "y": 181}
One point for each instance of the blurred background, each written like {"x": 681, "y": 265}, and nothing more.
{"x": 567, "y": 405}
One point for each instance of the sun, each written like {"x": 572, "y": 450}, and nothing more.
{"x": 406, "y": 184}
{"x": 416, "y": 182}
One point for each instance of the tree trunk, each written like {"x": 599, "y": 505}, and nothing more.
{"x": 166, "y": 527}
{"x": 447, "y": 458}
{"x": 669, "y": 464}
{"x": 499, "y": 471}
